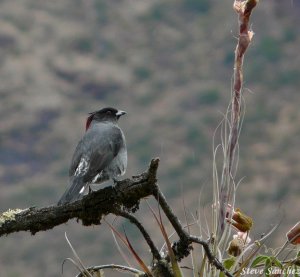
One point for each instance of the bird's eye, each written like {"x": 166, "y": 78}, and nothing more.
{"x": 108, "y": 112}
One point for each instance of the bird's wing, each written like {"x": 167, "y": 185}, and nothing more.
{"x": 95, "y": 151}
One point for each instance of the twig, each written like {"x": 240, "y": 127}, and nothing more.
{"x": 182, "y": 248}
{"x": 113, "y": 267}
{"x": 212, "y": 259}
{"x": 145, "y": 234}
{"x": 160, "y": 198}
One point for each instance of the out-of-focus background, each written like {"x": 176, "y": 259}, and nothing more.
{"x": 169, "y": 65}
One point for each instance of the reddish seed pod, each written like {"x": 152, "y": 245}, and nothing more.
{"x": 293, "y": 235}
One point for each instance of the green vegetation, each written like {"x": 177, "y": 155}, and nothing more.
{"x": 209, "y": 97}
{"x": 197, "y": 6}
{"x": 269, "y": 49}
{"x": 142, "y": 73}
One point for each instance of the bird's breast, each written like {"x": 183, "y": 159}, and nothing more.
{"x": 118, "y": 165}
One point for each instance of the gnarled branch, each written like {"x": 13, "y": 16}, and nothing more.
{"x": 90, "y": 209}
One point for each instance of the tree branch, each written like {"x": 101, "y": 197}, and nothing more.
{"x": 160, "y": 198}
{"x": 212, "y": 259}
{"x": 90, "y": 209}
{"x": 183, "y": 247}
{"x": 145, "y": 234}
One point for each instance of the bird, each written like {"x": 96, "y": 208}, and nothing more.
{"x": 100, "y": 155}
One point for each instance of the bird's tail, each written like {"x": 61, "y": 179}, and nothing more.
{"x": 72, "y": 193}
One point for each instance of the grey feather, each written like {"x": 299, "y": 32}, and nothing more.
{"x": 72, "y": 192}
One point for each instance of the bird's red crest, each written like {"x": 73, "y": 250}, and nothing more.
{"x": 88, "y": 122}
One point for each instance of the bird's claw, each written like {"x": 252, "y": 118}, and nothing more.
{"x": 89, "y": 190}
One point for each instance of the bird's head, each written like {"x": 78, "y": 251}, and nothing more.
{"x": 105, "y": 114}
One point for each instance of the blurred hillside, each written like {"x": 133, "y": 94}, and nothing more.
{"x": 169, "y": 65}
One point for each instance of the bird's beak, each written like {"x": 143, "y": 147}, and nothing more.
{"x": 120, "y": 113}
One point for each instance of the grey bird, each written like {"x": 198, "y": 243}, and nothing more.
{"x": 99, "y": 156}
